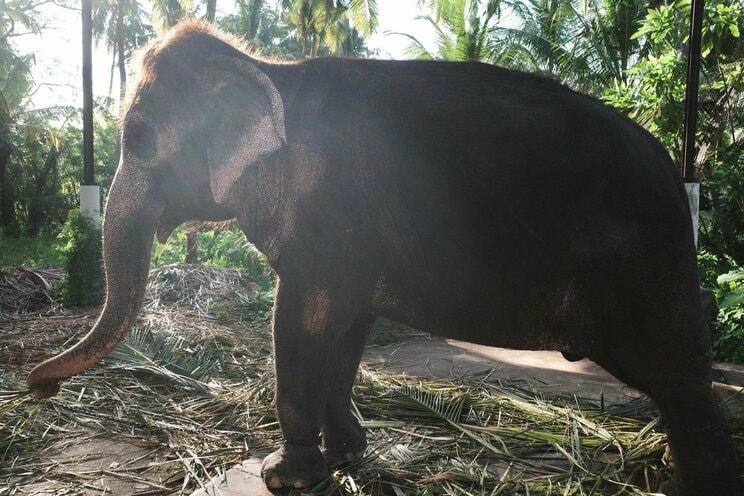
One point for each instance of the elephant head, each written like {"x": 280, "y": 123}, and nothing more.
{"x": 200, "y": 113}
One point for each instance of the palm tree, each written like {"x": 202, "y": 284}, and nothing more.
{"x": 462, "y": 29}
{"x": 605, "y": 44}
{"x": 253, "y": 14}
{"x": 542, "y": 42}
{"x": 211, "y": 10}
{"x": 264, "y": 27}
{"x": 16, "y": 81}
{"x": 15, "y": 84}
{"x": 588, "y": 43}
{"x": 319, "y": 21}
{"x": 167, "y": 13}
{"x": 344, "y": 39}
{"x": 121, "y": 25}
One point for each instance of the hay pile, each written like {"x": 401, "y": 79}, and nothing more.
{"x": 24, "y": 291}
{"x": 190, "y": 393}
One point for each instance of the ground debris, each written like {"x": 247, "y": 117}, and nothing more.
{"x": 190, "y": 393}
{"x": 26, "y": 291}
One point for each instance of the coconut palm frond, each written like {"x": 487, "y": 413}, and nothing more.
{"x": 428, "y": 403}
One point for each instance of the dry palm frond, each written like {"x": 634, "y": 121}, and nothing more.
{"x": 24, "y": 291}
{"x": 191, "y": 392}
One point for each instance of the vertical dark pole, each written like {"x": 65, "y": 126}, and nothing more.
{"x": 88, "y": 178}
{"x": 691, "y": 94}
{"x": 692, "y": 185}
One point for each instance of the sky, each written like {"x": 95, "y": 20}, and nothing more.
{"x": 57, "y": 71}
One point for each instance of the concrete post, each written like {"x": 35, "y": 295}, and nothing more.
{"x": 90, "y": 203}
{"x": 693, "y": 196}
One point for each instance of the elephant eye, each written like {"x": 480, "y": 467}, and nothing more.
{"x": 139, "y": 139}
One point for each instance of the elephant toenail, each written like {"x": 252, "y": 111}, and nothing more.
{"x": 274, "y": 483}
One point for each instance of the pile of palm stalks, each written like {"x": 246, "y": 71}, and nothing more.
{"x": 24, "y": 290}
{"x": 190, "y": 393}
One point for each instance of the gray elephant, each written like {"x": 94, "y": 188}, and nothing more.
{"x": 464, "y": 199}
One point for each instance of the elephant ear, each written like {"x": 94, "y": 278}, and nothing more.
{"x": 248, "y": 123}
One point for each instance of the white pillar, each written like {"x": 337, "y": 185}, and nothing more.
{"x": 693, "y": 196}
{"x": 90, "y": 203}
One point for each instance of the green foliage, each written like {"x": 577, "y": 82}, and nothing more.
{"x": 723, "y": 199}
{"x": 41, "y": 251}
{"x": 83, "y": 282}
{"x": 389, "y": 332}
{"x": 44, "y": 168}
{"x": 225, "y": 249}
{"x": 734, "y": 282}
{"x": 729, "y": 344}
{"x": 322, "y": 25}
{"x": 726, "y": 278}
{"x": 462, "y": 31}
{"x": 304, "y": 28}
{"x": 653, "y": 94}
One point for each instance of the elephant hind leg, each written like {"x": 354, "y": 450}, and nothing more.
{"x": 704, "y": 457}
{"x": 666, "y": 354}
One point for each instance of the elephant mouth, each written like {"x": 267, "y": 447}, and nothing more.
{"x": 166, "y": 226}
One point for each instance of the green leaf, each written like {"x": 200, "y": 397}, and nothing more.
{"x": 731, "y": 277}
{"x": 733, "y": 299}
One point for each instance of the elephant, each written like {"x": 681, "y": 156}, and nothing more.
{"x": 463, "y": 199}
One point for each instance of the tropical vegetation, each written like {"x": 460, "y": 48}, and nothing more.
{"x": 629, "y": 53}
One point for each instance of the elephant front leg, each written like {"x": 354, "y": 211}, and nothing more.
{"x": 344, "y": 439}
{"x": 302, "y": 351}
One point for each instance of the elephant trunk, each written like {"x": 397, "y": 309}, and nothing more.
{"x": 129, "y": 226}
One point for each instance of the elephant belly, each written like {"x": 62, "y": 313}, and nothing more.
{"x": 484, "y": 312}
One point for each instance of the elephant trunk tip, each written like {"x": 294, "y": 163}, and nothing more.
{"x": 42, "y": 386}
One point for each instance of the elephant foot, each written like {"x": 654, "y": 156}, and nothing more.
{"x": 677, "y": 486}
{"x": 344, "y": 444}
{"x": 672, "y": 487}
{"x": 295, "y": 467}
{"x": 706, "y": 471}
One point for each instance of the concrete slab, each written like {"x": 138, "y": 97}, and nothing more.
{"x": 241, "y": 480}
{"x": 545, "y": 371}
{"x": 728, "y": 373}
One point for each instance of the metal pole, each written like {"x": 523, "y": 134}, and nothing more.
{"x": 691, "y": 94}
{"x": 90, "y": 193}
{"x": 692, "y": 184}
{"x": 88, "y": 178}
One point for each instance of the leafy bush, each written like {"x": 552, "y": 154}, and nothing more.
{"x": 726, "y": 278}
{"x": 41, "y": 251}
{"x": 225, "y": 249}
{"x": 83, "y": 282}
{"x": 729, "y": 344}
{"x": 652, "y": 91}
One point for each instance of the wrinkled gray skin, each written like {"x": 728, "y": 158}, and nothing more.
{"x": 463, "y": 199}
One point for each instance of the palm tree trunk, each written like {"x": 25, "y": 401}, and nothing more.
{"x": 7, "y": 211}
{"x": 120, "y": 50}
{"x": 316, "y": 46}
{"x": 211, "y": 10}
{"x": 88, "y": 178}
